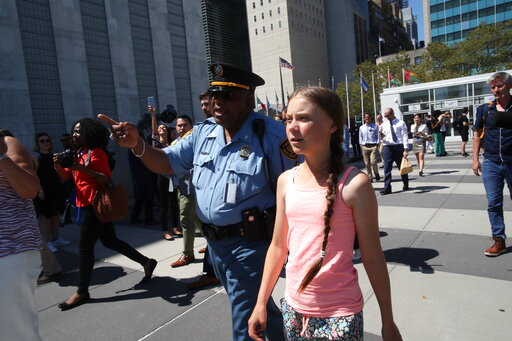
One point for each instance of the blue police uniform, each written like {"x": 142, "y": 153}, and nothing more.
{"x": 229, "y": 178}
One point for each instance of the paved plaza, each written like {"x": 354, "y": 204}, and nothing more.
{"x": 433, "y": 237}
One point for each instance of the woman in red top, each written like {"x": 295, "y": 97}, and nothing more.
{"x": 90, "y": 170}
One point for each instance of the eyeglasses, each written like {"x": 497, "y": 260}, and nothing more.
{"x": 45, "y": 140}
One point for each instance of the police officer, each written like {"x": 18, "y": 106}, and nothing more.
{"x": 237, "y": 156}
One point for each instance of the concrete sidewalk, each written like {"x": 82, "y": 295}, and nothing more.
{"x": 433, "y": 237}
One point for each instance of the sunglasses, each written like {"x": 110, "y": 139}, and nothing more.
{"x": 225, "y": 95}
{"x": 45, "y": 140}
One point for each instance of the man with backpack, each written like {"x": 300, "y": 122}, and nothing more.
{"x": 496, "y": 167}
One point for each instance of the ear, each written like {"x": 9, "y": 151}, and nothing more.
{"x": 332, "y": 128}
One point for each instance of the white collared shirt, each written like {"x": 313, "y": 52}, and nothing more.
{"x": 400, "y": 131}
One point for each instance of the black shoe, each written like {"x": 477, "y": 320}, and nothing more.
{"x": 464, "y": 154}
{"x": 405, "y": 188}
{"x": 421, "y": 173}
{"x": 64, "y": 306}
{"x": 149, "y": 267}
{"x": 444, "y": 154}
{"x": 377, "y": 178}
{"x": 48, "y": 278}
{"x": 385, "y": 192}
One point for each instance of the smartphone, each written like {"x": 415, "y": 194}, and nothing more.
{"x": 152, "y": 102}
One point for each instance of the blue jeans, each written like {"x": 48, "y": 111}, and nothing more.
{"x": 494, "y": 175}
{"x": 239, "y": 266}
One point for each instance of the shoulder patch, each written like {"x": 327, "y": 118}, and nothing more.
{"x": 286, "y": 149}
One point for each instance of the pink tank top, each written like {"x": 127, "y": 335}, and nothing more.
{"x": 335, "y": 289}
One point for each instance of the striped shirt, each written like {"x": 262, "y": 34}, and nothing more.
{"x": 19, "y": 229}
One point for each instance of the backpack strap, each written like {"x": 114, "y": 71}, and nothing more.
{"x": 484, "y": 116}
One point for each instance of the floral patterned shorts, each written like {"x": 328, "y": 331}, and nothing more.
{"x": 298, "y": 327}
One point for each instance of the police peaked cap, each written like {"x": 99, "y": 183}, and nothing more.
{"x": 226, "y": 76}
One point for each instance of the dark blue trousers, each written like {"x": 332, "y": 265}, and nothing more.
{"x": 393, "y": 153}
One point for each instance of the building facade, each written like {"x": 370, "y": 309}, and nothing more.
{"x": 226, "y": 32}
{"x": 449, "y": 21}
{"x": 411, "y": 25}
{"x": 388, "y": 33}
{"x": 322, "y": 39}
{"x": 68, "y": 59}
{"x": 446, "y": 95}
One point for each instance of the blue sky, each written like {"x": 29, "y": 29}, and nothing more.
{"x": 417, "y": 9}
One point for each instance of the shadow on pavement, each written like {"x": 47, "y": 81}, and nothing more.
{"x": 167, "y": 288}
{"x": 425, "y": 189}
{"x": 441, "y": 172}
{"x": 416, "y": 258}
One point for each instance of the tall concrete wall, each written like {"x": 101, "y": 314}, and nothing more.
{"x": 15, "y": 109}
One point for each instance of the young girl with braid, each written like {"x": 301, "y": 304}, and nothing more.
{"x": 321, "y": 205}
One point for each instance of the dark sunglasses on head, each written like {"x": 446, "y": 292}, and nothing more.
{"x": 45, "y": 140}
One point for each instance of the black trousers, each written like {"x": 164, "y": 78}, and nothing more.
{"x": 168, "y": 203}
{"x": 91, "y": 230}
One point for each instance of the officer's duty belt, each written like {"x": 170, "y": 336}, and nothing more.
{"x": 223, "y": 232}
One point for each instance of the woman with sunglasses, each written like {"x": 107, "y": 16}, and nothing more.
{"x": 49, "y": 204}
{"x": 90, "y": 169}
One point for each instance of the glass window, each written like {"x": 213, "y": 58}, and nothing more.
{"x": 481, "y": 88}
{"x": 253, "y": 5}
{"x": 270, "y": 13}
{"x": 451, "y": 92}
{"x": 262, "y": 16}
{"x": 279, "y": 10}
{"x": 414, "y": 97}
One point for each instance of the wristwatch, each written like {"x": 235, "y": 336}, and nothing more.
{"x": 4, "y": 156}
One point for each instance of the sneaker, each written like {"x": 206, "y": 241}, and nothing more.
{"x": 497, "y": 249}
{"x": 52, "y": 247}
{"x": 60, "y": 242}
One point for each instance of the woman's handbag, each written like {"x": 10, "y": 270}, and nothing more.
{"x": 405, "y": 167}
{"x": 110, "y": 203}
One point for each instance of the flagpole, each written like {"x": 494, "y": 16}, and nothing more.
{"x": 374, "y": 103}
{"x": 281, "y": 79}
{"x": 267, "y": 104}
{"x": 362, "y": 101}
{"x": 332, "y": 84}
{"x": 348, "y": 102}
{"x": 403, "y": 76}
{"x": 389, "y": 80}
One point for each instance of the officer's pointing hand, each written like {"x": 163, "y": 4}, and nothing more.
{"x": 125, "y": 134}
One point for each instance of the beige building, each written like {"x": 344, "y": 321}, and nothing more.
{"x": 294, "y": 30}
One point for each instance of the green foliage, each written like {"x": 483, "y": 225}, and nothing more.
{"x": 487, "y": 48}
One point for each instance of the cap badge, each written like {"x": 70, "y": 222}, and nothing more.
{"x": 245, "y": 151}
{"x": 219, "y": 71}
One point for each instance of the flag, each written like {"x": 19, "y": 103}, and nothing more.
{"x": 363, "y": 83}
{"x": 258, "y": 101}
{"x": 411, "y": 76}
{"x": 268, "y": 103}
{"x": 285, "y": 64}
{"x": 392, "y": 80}
{"x": 277, "y": 101}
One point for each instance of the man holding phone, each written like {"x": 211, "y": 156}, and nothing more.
{"x": 230, "y": 154}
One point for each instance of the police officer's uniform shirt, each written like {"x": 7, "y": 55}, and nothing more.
{"x": 369, "y": 134}
{"x": 220, "y": 168}
{"x": 400, "y": 131}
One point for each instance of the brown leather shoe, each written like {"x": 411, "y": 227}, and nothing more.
{"x": 497, "y": 249}
{"x": 204, "y": 281}
{"x": 203, "y": 250}
{"x": 183, "y": 260}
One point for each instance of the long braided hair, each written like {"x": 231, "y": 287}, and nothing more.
{"x": 330, "y": 103}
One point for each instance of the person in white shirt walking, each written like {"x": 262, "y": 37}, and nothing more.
{"x": 369, "y": 141}
{"x": 393, "y": 133}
